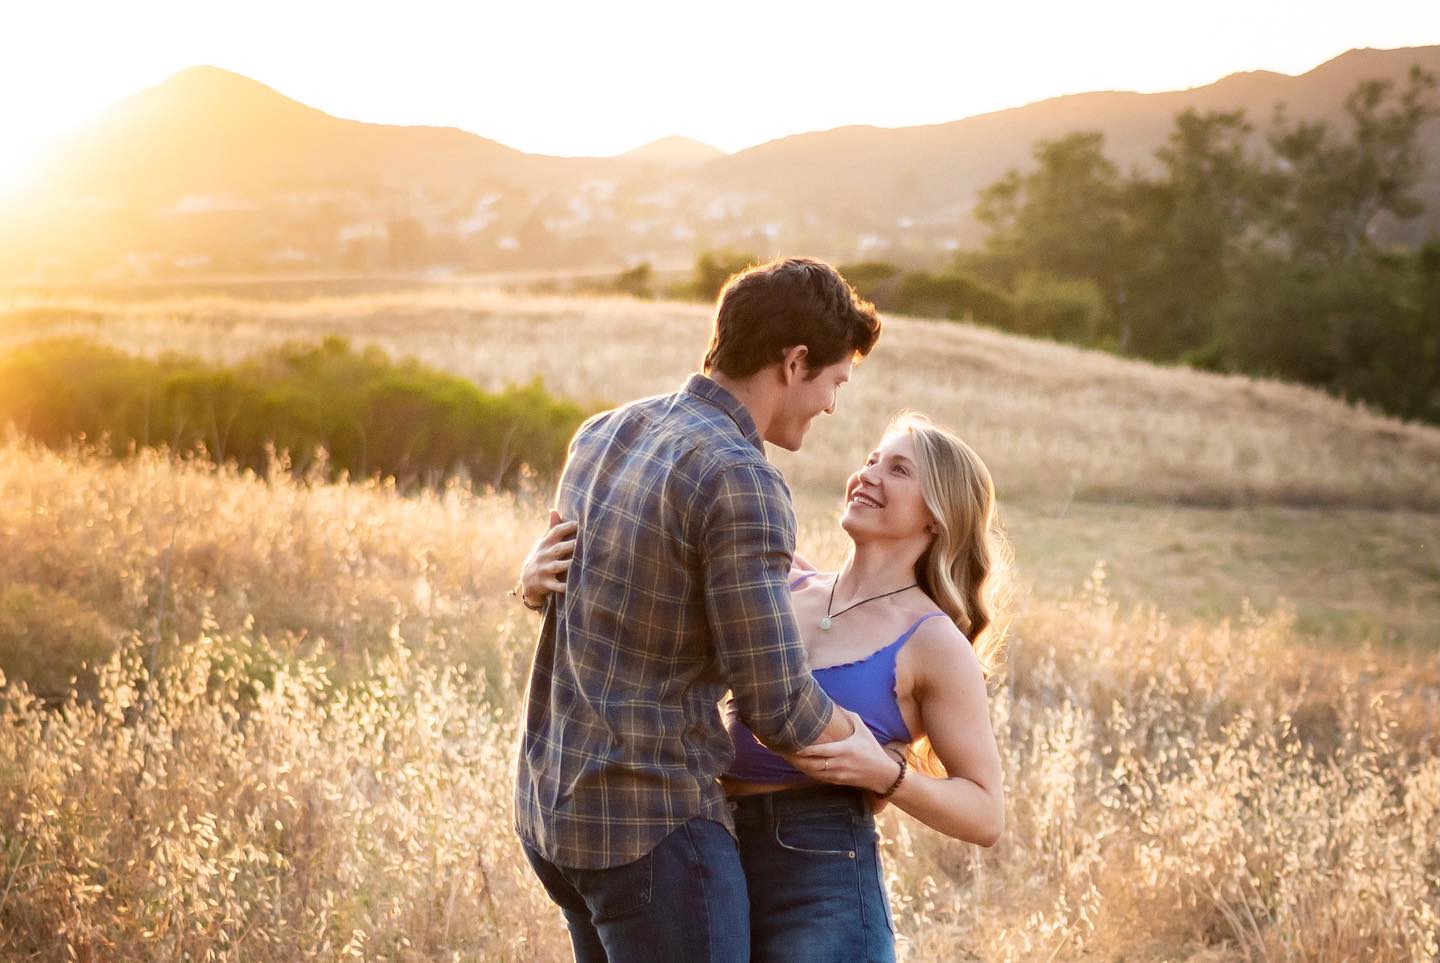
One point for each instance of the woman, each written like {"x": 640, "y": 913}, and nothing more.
{"x": 904, "y": 635}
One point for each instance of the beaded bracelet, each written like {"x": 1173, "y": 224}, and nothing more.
{"x": 898, "y": 780}
{"x": 519, "y": 594}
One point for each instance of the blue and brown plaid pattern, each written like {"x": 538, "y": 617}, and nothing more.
{"x": 677, "y": 593}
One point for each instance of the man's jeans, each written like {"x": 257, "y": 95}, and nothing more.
{"x": 684, "y": 901}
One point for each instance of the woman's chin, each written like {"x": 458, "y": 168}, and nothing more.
{"x": 853, "y": 521}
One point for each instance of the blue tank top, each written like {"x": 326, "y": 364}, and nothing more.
{"x": 865, "y": 686}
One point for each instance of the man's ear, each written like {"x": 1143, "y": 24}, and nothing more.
{"x": 792, "y": 363}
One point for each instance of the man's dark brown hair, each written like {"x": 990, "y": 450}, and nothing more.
{"x": 766, "y": 309}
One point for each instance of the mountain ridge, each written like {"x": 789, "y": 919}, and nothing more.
{"x": 211, "y": 143}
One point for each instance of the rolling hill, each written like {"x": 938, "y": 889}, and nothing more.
{"x": 212, "y": 172}
{"x": 940, "y": 167}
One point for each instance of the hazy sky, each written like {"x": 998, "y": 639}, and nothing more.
{"x": 603, "y": 77}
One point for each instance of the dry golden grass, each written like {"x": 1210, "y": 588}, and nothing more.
{"x": 154, "y": 550}
{"x": 302, "y": 748}
{"x": 1200, "y": 490}
{"x": 1055, "y": 423}
{"x": 1177, "y": 791}
{"x": 1351, "y": 575}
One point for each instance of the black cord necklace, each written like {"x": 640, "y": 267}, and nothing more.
{"x": 829, "y": 619}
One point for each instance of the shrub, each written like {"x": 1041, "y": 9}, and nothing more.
{"x": 637, "y": 281}
{"x": 955, "y": 295}
{"x": 877, "y": 281}
{"x": 1060, "y": 308}
{"x": 366, "y": 413}
{"x": 714, "y": 268}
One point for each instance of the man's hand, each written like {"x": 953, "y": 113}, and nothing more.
{"x": 858, "y": 760}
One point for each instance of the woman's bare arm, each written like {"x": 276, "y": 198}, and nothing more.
{"x": 545, "y": 568}
{"x": 968, "y": 804}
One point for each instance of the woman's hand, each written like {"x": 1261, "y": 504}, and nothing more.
{"x": 858, "y": 760}
{"x": 545, "y": 567}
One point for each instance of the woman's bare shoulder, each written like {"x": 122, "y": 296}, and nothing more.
{"x": 940, "y": 652}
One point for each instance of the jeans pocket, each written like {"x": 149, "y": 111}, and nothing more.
{"x": 617, "y": 891}
{"x": 822, "y": 832}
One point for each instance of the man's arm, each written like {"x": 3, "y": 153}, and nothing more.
{"x": 746, "y": 549}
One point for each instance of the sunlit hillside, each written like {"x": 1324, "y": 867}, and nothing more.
{"x": 1160, "y": 471}
{"x": 301, "y": 745}
{"x": 1056, "y": 423}
{"x": 214, "y": 172}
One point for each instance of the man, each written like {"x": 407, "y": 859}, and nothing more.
{"x": 677, "y": 593}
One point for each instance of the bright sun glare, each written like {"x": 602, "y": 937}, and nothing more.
{"x": 17, "y": 164}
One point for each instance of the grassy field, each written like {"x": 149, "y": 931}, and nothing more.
{"x": 301, "y": 748}
{"x": 1199, "y": 490}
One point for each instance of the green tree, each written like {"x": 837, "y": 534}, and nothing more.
{"x": 1062, "y": 219}
{"x": 1330, "y": 191}
{"x": 1314, "y": 299}
{"x": 1185, "y": 227}
{"x": 1365, "y": 328}
{"x": 1427, "y": 297}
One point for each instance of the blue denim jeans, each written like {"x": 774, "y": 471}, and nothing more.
{"x": 812, "y": 866}
{"x": 685, "y": 900}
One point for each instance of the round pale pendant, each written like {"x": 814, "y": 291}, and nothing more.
{"x": 825, "y": 622}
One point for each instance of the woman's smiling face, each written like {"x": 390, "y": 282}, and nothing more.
{"x": 884, "y": 499}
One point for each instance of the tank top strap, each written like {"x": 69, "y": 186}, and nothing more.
{"x": 904, "y": 636}
{"x": 796, "y": 583}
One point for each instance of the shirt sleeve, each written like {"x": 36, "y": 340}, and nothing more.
{"x": 746, "y": 549}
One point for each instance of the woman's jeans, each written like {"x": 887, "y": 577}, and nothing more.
{"x": 683, "y": 901}
{"x": 812, "y": 865}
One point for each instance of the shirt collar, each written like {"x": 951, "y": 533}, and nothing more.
{"x": 707, "y": 390}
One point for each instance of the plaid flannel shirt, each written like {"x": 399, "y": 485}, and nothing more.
{"x": 677, "y": 593}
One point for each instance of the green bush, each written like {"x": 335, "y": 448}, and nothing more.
{"x": 1061, "y": 308}
{"x": 368, "y": 414}
{"x": 714, "y": 268}
{"x": 1367, "y": 329}
{"x": 876, "y": 281}
{"x": 955, "y": 295}
{"x": 638, "y": 281}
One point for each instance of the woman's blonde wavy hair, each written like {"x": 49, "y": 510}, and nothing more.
{"x": 966, "y": 568}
